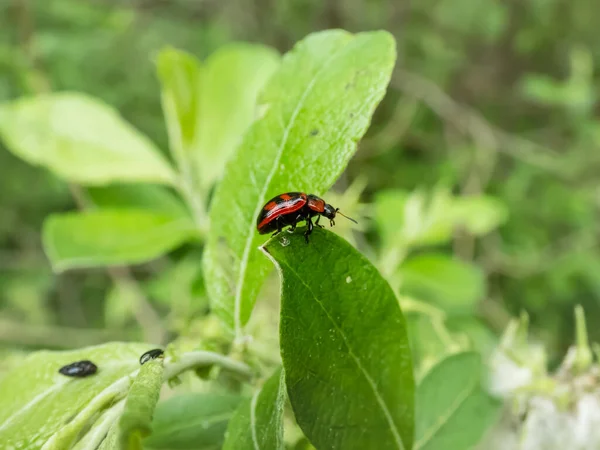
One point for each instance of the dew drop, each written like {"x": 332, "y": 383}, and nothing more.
{"x": 348, "y": 279}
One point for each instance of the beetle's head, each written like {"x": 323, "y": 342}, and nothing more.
{"x": 330, "y": 212}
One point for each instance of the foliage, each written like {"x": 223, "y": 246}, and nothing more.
{"x": 476, "y": 169}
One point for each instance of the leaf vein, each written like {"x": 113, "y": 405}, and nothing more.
{"x": 286, "y": 133}
{"x": 368, "y": 378}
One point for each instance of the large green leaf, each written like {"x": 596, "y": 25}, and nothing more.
{"x": 209, "y": 106}
{"x": 81, "y": 139}
{"x": 318, "y": 105}
{"x": 40, "y": 406}
{"x": 192, "y": 421}
{"x": 344, "y": 345}
{"x": 258, "y": 422}
{"x": 454, "y": 285}
{"x": 109, "y": 237}
{"x": 452, "y": 410}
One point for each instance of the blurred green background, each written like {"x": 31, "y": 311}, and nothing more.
{"x": 489, "y": 96}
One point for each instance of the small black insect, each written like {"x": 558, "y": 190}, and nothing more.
{"x": 79, "y": 369}
{"x": 151, "y": 354}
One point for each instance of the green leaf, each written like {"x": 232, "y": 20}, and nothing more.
{"x": 453, "y": 411}
{"x": 454, "y": 285}
{"x": 479, "y": 335}
{"x": 136, "y": 421}
{"x": 421, "y": 219}
{"x": 82, "y": 140}
{"x": 344, "y": 345}
{"x": 111, "y": 441}
{"x": 110, "y": 237}
{"x": 318, "y": 105}
{"x": 192, "y": 421}
{"x": 479, "y": 214}
{"x": 148, "y": 197}
{"x": 210, "y": 106}
{"x": 258, "y": 422}
{"x": 42, "y": 407}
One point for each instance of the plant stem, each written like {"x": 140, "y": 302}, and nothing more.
{"x": 202, "y": 359}
{"x": 195, "y": 202}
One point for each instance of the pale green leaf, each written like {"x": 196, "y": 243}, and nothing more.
{"x": 209, "y": 106}
{"x": 112, "y": 237}
{"x": 318, "y": 105}
{"x": 452, "y": 410}
{"x": 43, "y": 407}
{"x": 344, "y": 346}
{"x": 454, "y": 285}
{"x": 81, "y": 139}
{"x": 407, "y": 220}
{"x": 258, "y": 422}
{"x": 136, "y": 421}
{"x": 192, "y": 421}
{"x": 479, "y": 214}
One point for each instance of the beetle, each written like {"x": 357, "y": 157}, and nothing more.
{"x": 79, "y": 369}
{"x": 293, "y": 207}
{"x": 151, "y": 354}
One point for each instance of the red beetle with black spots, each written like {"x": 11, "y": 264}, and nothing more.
{"x": 291, "y": 208}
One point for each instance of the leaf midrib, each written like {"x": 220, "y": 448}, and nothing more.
{"x": 250, "y": 236}
{"x": 370, "y": 381}
{"x": 444, "y": 418}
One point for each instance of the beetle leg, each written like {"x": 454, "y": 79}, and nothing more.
{"x": 298, "y": 218}
{"x": 278, "y": 222}
{"x": 331, "y": 222}
{"x": 317, "y": 221}
{"x": 308, "y": 229}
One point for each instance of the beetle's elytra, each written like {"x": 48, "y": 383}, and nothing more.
{"x": 79, "y": 369}
{"x": 293, "y": 207}
{"x": 151, "y": 354}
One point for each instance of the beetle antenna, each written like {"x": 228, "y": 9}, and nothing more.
{"x": 337, "y": 210}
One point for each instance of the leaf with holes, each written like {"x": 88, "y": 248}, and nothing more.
{"x": 452, "y": 410}
{"x": 258, "y": 422}
{"x": 344, "y": 345}
{"x": 318, "y": 105}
